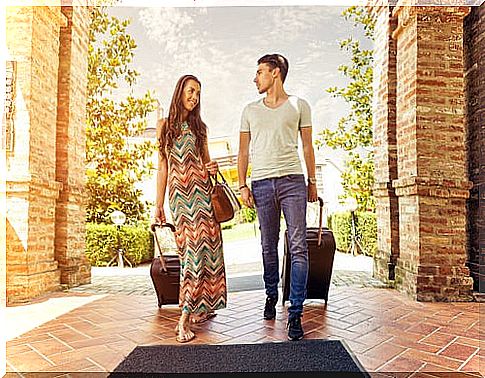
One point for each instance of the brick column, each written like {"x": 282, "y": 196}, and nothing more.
{"x": 432, "y": 186}
{"x": 474, "y": 117}
{"x": 384, "y": 121}
{"x": 31, "y": 186}
{"x": 70, "y": 147}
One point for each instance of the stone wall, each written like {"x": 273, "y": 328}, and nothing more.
{"x": 474, "y": 43}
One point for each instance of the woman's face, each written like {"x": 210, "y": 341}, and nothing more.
{"x": 190, "y": 95}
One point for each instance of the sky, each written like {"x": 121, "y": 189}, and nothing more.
{"x": 221, "y": 46}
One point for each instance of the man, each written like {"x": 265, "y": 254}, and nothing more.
{"x": 272, "y": 125}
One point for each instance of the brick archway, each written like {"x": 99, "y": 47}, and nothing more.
{"x": 429, "y": 102}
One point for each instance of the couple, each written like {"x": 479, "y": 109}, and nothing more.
{"x": 271, "y": 126}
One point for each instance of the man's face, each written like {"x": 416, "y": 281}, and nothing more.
{"x": 190, "y": 95}
{"x": 264, "y": 78}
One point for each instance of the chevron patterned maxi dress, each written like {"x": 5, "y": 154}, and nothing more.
{"x": 198, "y": 235}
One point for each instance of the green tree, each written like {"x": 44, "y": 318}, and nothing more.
{"x": 114, "y": 164}
{"x": 354, "y": 131}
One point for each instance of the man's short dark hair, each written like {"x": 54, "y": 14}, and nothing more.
{"x": 276, "y": 60}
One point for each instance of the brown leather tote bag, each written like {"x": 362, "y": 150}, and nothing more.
{"x": 224, "y": 201}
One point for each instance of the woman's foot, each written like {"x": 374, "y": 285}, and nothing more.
{"x": 202, "y": 317}
{"x": 184, "y": 334}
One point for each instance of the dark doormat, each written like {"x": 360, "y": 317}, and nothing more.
{"x": 307, "y": 358}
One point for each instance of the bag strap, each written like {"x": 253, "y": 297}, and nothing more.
{"x": 153, "y": 227}
{"x": 320, "y": 221}
{"x": 215, "y": 178}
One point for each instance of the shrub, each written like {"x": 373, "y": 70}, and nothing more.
{"x": 247, "y": 215}
{"x": 340, "y": 224}
{"x": 102, "y": 241}
{"x": 366, "y": 229}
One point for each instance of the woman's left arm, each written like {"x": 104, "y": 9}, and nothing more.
{"x": 211, "y": 165}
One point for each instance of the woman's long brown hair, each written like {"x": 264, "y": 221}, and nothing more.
{"x": 173, "y": 129}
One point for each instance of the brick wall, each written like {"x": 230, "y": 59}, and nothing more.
{"x": 474, "y": 115}
{"x": 70, "y": 146}
{"x": 432, "y": 183}
{"x": 45, "y": 171}
{"x": 384, "y": 121}
{"x": 31, "y": 187}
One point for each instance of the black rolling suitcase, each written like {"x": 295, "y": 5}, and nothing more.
{"x": 321, "y": 251}
{"x": 165, "y": 272}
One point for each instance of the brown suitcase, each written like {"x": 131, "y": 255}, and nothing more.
{"x": 321, "y": 252}
{"x": 165, "y": 272}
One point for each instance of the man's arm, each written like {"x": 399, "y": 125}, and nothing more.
{"x": 309, "y": 155}
{"x": 242, "y": 167}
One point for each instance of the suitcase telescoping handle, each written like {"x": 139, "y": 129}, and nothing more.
{"x": 320, "y": 220}
{"x": 153, "y": 227}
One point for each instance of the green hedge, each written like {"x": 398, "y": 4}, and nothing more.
{"x": 102, "y": 241}
{"x": 366, "y": 228}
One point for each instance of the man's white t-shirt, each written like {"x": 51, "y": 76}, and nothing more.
{"x": 274, "y": 136}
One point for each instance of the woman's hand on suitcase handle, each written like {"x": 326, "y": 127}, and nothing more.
{"x": 160, "y": 215}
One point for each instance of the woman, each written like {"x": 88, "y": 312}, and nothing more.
{"x": 185, "y": 164}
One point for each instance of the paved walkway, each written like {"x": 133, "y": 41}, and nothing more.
{"x": 90, "y": 329}
{"x": 391, "y": 335}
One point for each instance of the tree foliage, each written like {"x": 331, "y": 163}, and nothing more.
{"x": 114, "y": 164}
{"x": 354, "y": 131}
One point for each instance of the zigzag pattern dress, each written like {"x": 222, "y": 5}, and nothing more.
{"x": 198, "y": 235}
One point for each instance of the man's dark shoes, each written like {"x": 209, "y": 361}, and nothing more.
{"x": 295, "y": 331}
{"x": 270, "y": 308}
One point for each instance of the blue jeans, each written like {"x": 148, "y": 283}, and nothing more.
{"x": 287, "y": 193}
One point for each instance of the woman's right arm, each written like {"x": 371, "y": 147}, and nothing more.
{"x": 162, "y": 174}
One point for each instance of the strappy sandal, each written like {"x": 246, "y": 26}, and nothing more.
{"x": 204, "y": 318}
{"x": 184, "y": 337}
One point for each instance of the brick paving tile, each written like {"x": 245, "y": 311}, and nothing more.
{"x": 410, "y": 344}
{"x": 50, "y": 347}
{"x": 458, "y": 351}
{"x": 105, "y": 340}
{"x": 475, "y": 364}
{"x": 432, "y": 368}
{"x": 468, "y": 341}
{"x": 30, "y": 360}
{"x": 422, "y": 328}
{"x": 72, "y": 365}
{"x": 386, "y": 351}
{"x": 402, "y": 364}
{"x": 438, "y": 338}
{"x": 355, "y": 345}
{"x": 444, "y": 361}
{"x": 371, "y": 363}
{"x": 374, "y": 338}
{"x": 108, "y": 361}
{"x": 69, "y": 335}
